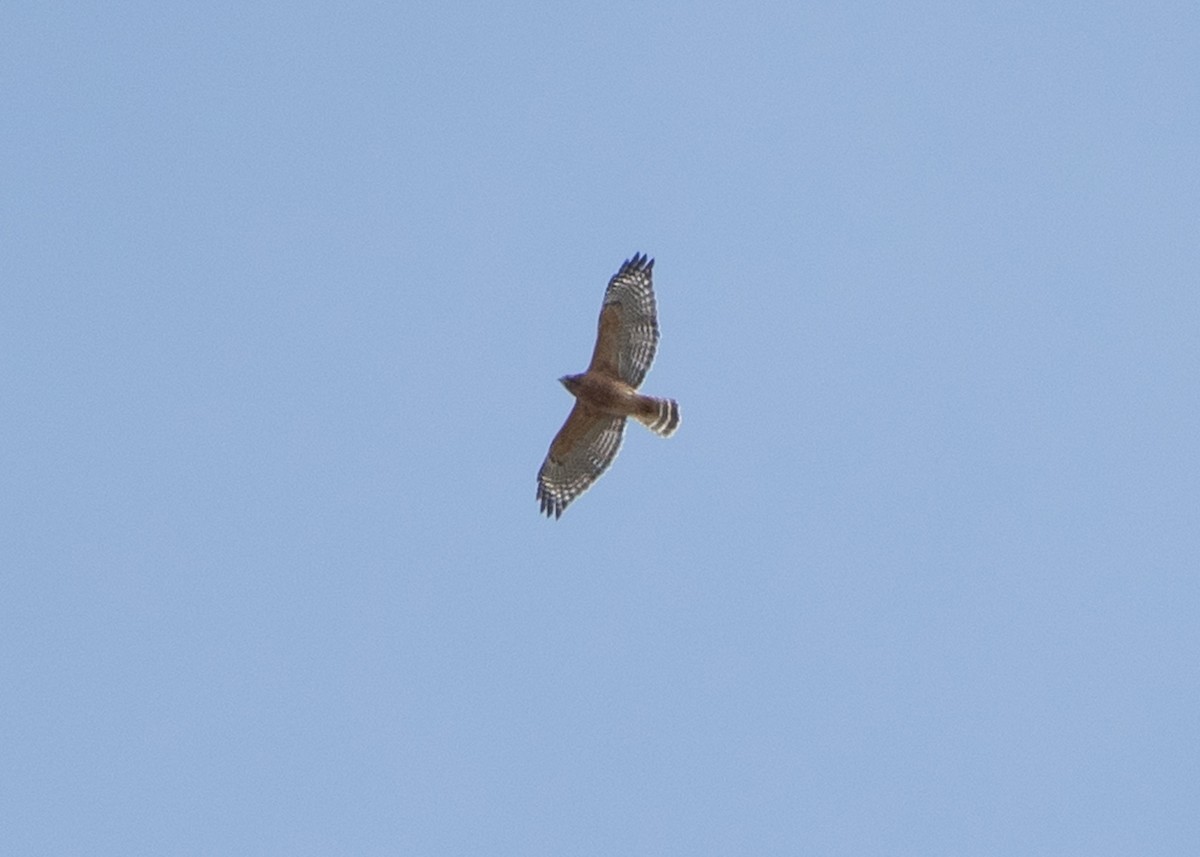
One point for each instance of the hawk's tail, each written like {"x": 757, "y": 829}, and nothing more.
{"x": 661, "y": 416}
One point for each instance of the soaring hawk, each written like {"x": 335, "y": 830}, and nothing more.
{"x": 607, "y": 392}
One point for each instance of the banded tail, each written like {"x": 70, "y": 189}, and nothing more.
{"x": 661, "y": 416}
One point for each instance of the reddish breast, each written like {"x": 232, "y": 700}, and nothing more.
{"x": 606, "y": 394}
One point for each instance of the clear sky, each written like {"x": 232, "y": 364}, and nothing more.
{"x": 284, "y": 294}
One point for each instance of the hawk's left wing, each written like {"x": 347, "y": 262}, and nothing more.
{"x": 628, "y": 332}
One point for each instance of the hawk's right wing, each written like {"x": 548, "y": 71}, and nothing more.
{"x": 582, "y": 450}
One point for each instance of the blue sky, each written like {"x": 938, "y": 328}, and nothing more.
{"x": 285, "y": 292}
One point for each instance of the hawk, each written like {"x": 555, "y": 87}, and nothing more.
{"x": 606, "y": 394}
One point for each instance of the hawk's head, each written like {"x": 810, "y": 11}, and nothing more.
{"x": 571, "y": 382}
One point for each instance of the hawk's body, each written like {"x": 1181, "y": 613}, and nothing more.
{"x": 606, "y": 394}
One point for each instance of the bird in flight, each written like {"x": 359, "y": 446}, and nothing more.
{"x": 606, "y": 394}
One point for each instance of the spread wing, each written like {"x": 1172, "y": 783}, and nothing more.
{"x": 582, "y": 450}
{"x": 628, "y": 332}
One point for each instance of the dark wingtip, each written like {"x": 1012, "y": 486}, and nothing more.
{"x": 551, "y": 507}
{"x": 639, "y": 260}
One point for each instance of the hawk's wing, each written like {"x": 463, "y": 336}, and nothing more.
{"x": 583, "y": 449}
{"x": 628, "y": 332}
